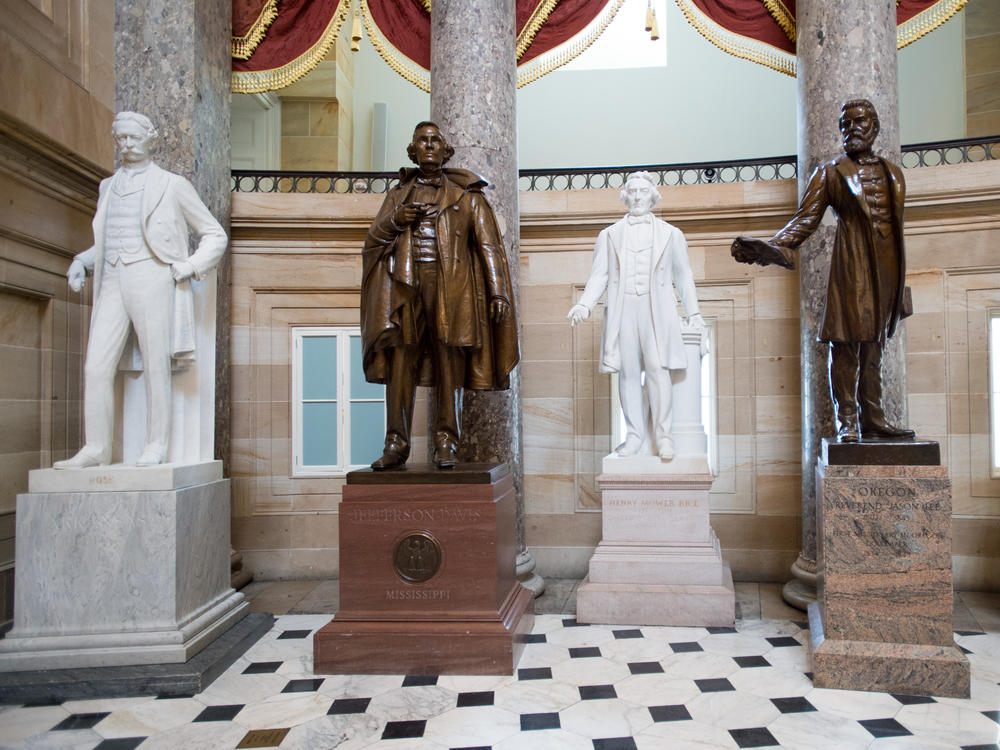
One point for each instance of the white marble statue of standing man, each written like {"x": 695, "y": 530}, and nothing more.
{"x": 640, "y": 260}
{"x": 142, "y": 267}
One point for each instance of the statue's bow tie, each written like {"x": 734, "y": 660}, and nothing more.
{"x": 432, "y": 181}
{"x": 644, "y": 219}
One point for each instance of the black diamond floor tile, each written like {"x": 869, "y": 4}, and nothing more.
{"x": 783, "y": 641}
{"x": 720, "y": 630}
{"x": 349, "y": 706}
{"x": 401, "y": 730}
{"x": 685, "y": 647}
{"x": 80, "y": 721}
{"x": 303, "y": 686}
{"x": 677, "y": 712}
{"x": 477, "y": 747}
{"x": 570, "y": 622}
{"x": 468, "y": 700}
{"x": 753, "y": 737}
{"x": 628, "y": 633}
{"x": 583, "y": 652}
{"x": 535, "y": 673}
{"x": 793, "y": 705}
{"x": 885, "y": 728}
{"x": 597, "y": 692}
{"x": 995, "y": 715}
{"x": 120, "y": 743}
{"x": 714, "y": 685}
{"x": 912, "y": 700}
{"x": 174, "y": 697}
{"x": 615, "y": 743}
{"x": 263, "y": 667}
{"x": 219, "y": 713}
{"x": 294, "y": 634}
{"x": 963, "y": 649}
{"x": 751, "y": 661}
{"x": 645, "y": 667}
{"x": 533, "y": 638}
{"x": 971, "y": 632}
{"x": 802, "y": 624}
{"x": 42, "y": 702}
{"x": 420, "y": 680}
{"x": 994, "y": 746}
{"x": 531, "y": 722}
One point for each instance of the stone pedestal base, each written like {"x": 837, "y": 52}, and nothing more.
{"x": 907, "y": 668}
{"x": 659, "y": 562}
{"x": 427, "y": 575}
{"x": 883, "y": 616}
{"x": 121, "y": 571}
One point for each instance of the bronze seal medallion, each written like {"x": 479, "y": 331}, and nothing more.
{"x": 417, "y": 557}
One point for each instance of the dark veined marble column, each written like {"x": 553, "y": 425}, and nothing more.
{"x": 173, "y": 64}
{"x": 846, "y": 50}
{"x": 473, "y": 100}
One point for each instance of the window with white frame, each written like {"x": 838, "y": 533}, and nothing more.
{"x": 338, "y": 418}
{"x": 993, "y": 338}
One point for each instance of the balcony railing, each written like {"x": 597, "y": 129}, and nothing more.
{"x": 595, "y": 178}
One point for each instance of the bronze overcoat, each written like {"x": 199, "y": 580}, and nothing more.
{"x": 852, "y": 304}
{"x": 472, "y": 271}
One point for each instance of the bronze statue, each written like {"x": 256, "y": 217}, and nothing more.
{"x": 437, "y": 307}
{"x": 864, "y": 299}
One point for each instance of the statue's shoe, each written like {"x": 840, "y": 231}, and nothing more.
{"x": 848, "y": 433}
{"x": 885, "y": 430}
{"x": 391, "y": 459}
{"x": 445, "y": 458}
{"x": 666, "y": 451}
{"x": 82, "y": 460}
{"x": 149, "y": 458}
{"x": 629, "y": 448}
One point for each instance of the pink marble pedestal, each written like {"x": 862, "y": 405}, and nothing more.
{"x": 882, "y": 621}
{"x": 659, "y": 562}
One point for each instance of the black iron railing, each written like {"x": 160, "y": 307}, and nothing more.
{"x": 595, "y": 178}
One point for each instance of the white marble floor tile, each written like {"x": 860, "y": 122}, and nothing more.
{"x": 235, "y": 687}
{"x": 732, "y": 710}
{"x": 283, "y": 710}
{"x": 17, "y": 724}
{"x": 735, "y": 644}
{"x": 656, "y": 690}
{"x": 73, "y": 739}
{"x": 985, "y": 695}
{"x": 412, "y": 703}
{"x": 672, "y": 634}
{"x": 636, "y": 649}
{"x": 542, "y": 655}
{"x": 474, "y": 683}
{"x": 854, "y": 704}
{"x": 473, "y": 726}
{"x": 942, "y": 722}
{"x": 359, "y": 685}
{"x": 151, "y": 718}
{"x": 605, "y": 718}
{"x": 208, "y": 735}
{"x": 100, "y": 705}
{"x": 684, "y": 735}
{"x": 771, "y": 682}
{"x": 699, "y": 665}
{"x": 580, "y": 636}
{"x": 347, "y": 732}
{"x": 593, "y": 671}
{"x": 813, "y": 730}
{"x": 537, "y": 696}
{"x": 545, "y": 739}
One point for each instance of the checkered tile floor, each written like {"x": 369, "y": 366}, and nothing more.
{"x": 577, "y": 687}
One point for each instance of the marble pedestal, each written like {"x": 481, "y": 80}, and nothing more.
{"x": 883, "y": 620}
{"x": 659, "y": 561}
{"x": 427, "y": 575}
{"x": 118, "y": 566}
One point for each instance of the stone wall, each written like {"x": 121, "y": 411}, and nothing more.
{"x": 56, "y": 102}
{"x": 296, "y": 261}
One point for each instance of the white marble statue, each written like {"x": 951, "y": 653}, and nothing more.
{"x": 142, "y": 268}
{"x": 640, "y": 260}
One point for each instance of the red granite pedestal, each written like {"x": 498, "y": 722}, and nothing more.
{"x": 883, "y": 619}
{"x": 427, "y": 575}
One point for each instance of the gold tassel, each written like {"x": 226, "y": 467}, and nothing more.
{"x": 356, "y": 33}
{"x": 654, "y": 29}
{"x": 650, "y": 16}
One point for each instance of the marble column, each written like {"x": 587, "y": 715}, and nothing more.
{"x": 845, "y": 50}
{"x": 473, "y": 100}
{"x": 172, "y": 63}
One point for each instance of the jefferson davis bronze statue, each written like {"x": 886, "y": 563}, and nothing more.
{"x": 864, "y": 299}
{"x": 437, "y": 308}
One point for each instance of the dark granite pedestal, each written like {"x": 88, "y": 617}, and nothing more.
{"x": 882, "y": 621}
{"x": 168, "y": 680}
{"x": 427, "y": 575}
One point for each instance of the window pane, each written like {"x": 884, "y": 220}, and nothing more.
{"x": 367, "y": 431}
{"x": 319, "y": 434}
{"x": 319, "y": 367}
{"x": 360, "y": 388}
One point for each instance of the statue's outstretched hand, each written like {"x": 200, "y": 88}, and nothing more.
{"x": 76, "y": 275}
{"x": 750, "y": 250}
{"x": 578, "y": 313}
{"x": 499, "y": 310}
